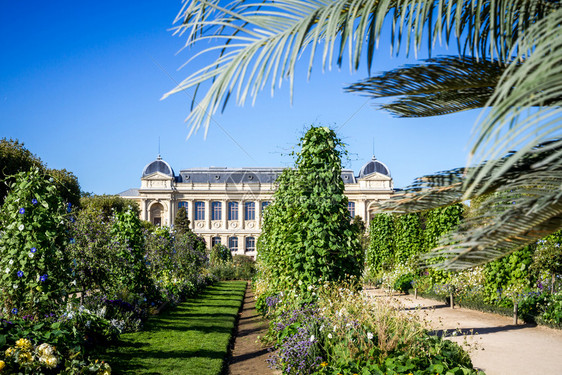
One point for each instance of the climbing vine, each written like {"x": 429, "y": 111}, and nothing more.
{"x": 380, "y": 254}
{"x": 307, "y": 234}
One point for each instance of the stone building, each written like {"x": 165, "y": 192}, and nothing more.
{"x": 225, "y": 205}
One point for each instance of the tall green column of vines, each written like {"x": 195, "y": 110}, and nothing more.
{"x": 307, "y": 235}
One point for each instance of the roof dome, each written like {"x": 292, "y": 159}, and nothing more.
{"x": 158, "y": 165}
{"x": 374, "y": 166}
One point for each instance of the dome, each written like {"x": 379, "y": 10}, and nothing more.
{"x": 158, "y": 165}
{"x": 374, "y": 166}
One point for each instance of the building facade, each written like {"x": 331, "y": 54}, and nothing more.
{"x": 226, "y": 205}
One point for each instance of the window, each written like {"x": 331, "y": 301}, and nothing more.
{"x": 183, "y": 204}
{"x": 351, "y": 209}
{"x": 232, "y": 210}
{"x": 233, "y": 243}
{"x": 199, "y": 210}
{"x": 250, "y": 244}
{"x": 216, "y": 208}
{"x": 264, "y": 205}
{"x": 249, "y": 211}
{"x": 215, "y": 241}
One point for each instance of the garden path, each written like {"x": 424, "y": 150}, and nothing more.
{"x": 501, "y": 346}
{"x": 249, "y": 355}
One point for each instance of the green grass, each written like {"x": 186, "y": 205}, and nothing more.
{"x": 191, "y": 338}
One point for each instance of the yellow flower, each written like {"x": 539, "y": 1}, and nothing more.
{"x": 2, "y": 365}
{"x": 324, "y": 364}
{"x": 9, "y": 352}
{"x": 25, "y": 357}
{"x": 51, "y": 361}
{"x": 24, "y": 344}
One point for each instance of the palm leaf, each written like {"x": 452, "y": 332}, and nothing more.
{"x": 436, "y": 87}
{"x": 261, "y": 41}
{"x": 512, "y": 122}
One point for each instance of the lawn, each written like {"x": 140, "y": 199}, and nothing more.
{"x": 191, "y": 338}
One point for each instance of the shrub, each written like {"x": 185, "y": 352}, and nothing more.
{"x": 96, "y": 254}
{"x": 307, "y": 234}
{"x": 404, "y": 283}
{"x": 33, "y": 261}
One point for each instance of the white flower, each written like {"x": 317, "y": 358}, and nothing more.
{"x": 309, "y": 287}
{"x": 300, "y": 282}
{"x": 330, "y": 335}
{"x": 312, "y": 338}
{"x": 21, "y": 227}
{"x": 369, "y": 335}
{"x": 7, "y": 270}
{"x": 335, "y": 327}
{"x": 31, "y": 255}
{"x": 15, "y": 286}
{"x": 11, "y": 262}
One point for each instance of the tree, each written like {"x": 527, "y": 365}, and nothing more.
{"x": 14, "y": 158}
{"x": 181, "y": 222}
{"x": 508, "y": 59}
{"x": 108, "y": 204}
{"x": 67, "y": 185}
{"x": 307, "y": 234}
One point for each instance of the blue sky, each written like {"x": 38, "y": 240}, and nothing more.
{"x": 81, "y": 82}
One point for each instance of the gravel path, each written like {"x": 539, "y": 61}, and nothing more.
{"x": 501, "y": 346}
{"x": 249, "y": 356}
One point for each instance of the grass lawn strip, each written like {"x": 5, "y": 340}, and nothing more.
{"x": 191, "y": 338}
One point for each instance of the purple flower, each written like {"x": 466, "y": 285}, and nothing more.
{"x": 15, "y": 311}
{"x": 20, "y": 273}
{"x": 33, "y": 250}
{"x": 43, "y": 278}
{"x": 22, "y": 210}
{"x": 34, "y": 201}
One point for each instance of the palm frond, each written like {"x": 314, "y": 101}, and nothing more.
{"x": 525, "y": 106}
{"x": 436, "y": 87}
{"x": 263, "y": 40}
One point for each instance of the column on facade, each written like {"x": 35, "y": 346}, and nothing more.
{"x": 144, "y": 210}
{"x": 171, "y": 211}
{"x": 191, "y": 213}
{"x": 258, "y": 213}
{"x": 242, "y": 245}
{"x": 207, "y": 214}
{"x": 224, "y": 208}
{"x": 241, "y": 213}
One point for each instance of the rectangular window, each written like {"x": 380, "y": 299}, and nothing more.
{"x": 233, "y": 243}
{"x": 199, "y": 210}
{"x": 351, "y": 209}
{"x": 249, "y": 211}
{"x": 215, "y": 241}
{"x": 250, "y": 244}
{"x": 232, "y": 210}
{"x": 183, "y": 204}
{"x": 216, "y": 211}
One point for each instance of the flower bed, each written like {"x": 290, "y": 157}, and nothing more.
{"x": 337, "y": 329}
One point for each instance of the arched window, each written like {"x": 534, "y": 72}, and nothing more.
{"x": 156, "y": 213}
{"x": 233, "y": 243}
{"x": 250, "y": 244}
{"x": 216, "y": 208}
{"x": 351, "y": 209}
{"x": 232, "y": 210}
{"x": 249, "y": 211}
{"x": 215, "y": 241}
{"x": 199, "y": 210}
